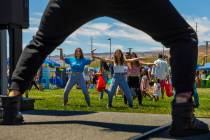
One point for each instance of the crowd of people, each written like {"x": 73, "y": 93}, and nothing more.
{"x": 201, "y": 77}
{"x": 129, "y": 73}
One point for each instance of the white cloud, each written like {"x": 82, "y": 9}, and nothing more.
{"x": 71, "y": 42}
{"x": 106, "y": 47}
{"x": 131, "y": 35}
{"x": 34, "y": 21}
{"x": 203, "y": 26}
{"x": 99, "y": 26}
{"x": 118, "y": 31}
{"x": 115, "y": 30}
{"x": 31, "y": 30}
{"x": 86, "y": 32}
{"x": 39, "y": 14}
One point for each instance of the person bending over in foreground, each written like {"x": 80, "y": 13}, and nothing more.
{"x": 157, "y": 18}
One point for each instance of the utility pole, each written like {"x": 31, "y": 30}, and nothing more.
{"x": 130, "y": 50}
{"x": 91, "y": 43}
{"x": 196, "y": 27}
{"x": 110, "y": 47}
{"x": 207, "y": 45}
{"x": 163, "y": 50}
{"x": 61, "y": 53}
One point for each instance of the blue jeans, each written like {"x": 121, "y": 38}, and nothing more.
{"x": 76, "y": 78}
{"x": 119, "y": 79}
{"x": 196, "y": 97}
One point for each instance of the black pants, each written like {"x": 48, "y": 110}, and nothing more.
{"x": 158, "y": 18}
{"x": 134, "y": 83}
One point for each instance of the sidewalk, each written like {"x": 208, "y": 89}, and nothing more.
{"x": 67, "y": 125}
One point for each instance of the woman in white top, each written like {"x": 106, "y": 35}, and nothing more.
{"x": 120, "y": 69}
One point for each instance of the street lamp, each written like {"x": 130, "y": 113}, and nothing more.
{"x": 110, "y": 47}
{"x": 61, "y": 53}
{"x": 129, "y": 50}
{"x": 207, "y": 45}
{"x": 163, "y": 50}
{"x": 91, "y": 43}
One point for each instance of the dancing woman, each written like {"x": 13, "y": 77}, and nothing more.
{"x": 77, "y": 64}
{"x": 120, "y": 70}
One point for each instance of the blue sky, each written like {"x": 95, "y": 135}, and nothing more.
{"x": 123, "y": 36}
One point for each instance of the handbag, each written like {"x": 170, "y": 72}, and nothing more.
{"x": 101, "y": 85}
{"x": 168, "y": 89}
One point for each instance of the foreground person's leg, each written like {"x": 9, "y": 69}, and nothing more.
{"x": 163, "y": 23}
{"x": 61, "y": 18}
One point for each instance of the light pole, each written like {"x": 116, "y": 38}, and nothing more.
{"x": 61, "y": 53}
{"x": 110, "y": 47}
{"x": 196, "y": 27}
{"x": 91, "y": 43}
{"x": 163, "y": 50}
{"x": 207, "y": 45}
{"x": 129, "y": 50}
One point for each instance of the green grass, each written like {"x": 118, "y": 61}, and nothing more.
{"x": 53, "y": 100}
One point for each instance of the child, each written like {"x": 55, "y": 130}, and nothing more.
{"x": 144, "y": 84}
{"x": 157, "y": 90}
{"x": 104, "y": 72}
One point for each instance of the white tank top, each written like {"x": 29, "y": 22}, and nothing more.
{"x": 120, "y": 69}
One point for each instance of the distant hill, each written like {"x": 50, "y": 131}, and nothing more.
{"x": 202, "y": 50}
{"x": 150, "y": 55}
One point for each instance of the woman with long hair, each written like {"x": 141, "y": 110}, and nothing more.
{"x": 120, "y": 70}
{"x": 134, "y": 76}
{"x": 77, "y": 64}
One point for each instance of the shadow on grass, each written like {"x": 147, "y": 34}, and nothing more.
{"x": 57, "y": 112}
{"x": 151, "y": 105}
{"x": 105, "y": 125}
{"x": 38, "y": 99}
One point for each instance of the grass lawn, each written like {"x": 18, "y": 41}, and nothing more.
{"x": 53, "y": 100}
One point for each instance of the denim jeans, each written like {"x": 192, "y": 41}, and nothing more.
{"x": 134, "y": 82}
{"x": 76, "y": 78}
{"x": 157, "y": 18}
{"x": 119, "y": 80}
{"x": 196, "y": 97}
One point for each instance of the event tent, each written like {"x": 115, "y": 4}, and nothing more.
{"x": 205, "y": 67}
{"x": 51, "y": 63}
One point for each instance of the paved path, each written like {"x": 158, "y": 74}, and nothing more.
{"x": 67, "y": 125}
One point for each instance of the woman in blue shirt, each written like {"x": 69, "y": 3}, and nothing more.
{"x": 77, "y": 64}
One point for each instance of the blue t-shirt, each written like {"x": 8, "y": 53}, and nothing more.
{"x": 77, "y": 65}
